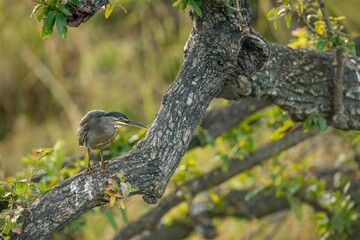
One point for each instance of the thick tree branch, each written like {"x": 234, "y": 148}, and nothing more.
{"x": 150, "y": 219}
{"x": 301, "y": 82}
{"x": 264, "y": 203}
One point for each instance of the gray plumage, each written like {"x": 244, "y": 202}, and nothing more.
{"x": 98, "y": 128}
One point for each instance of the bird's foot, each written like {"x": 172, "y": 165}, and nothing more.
{"x": 89, "y": 170}
{"x": 102, "y": 166}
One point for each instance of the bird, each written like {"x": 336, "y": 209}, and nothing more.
{"x": 98, "y": 128}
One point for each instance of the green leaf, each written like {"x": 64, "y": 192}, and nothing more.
{"x": 49, "y": 20}
{"x": 322, "y": 123}
{"x": 350, "y": 47}
{"x": 7, "y": 227}
{"x": 110, "y": 217}
{"x": 310, "y": 121}
{"x": 315, "y": 118}
{"x": 61, "y": 24}
{"x": 273, "y": 14}
{"x": 48, "y": 25}
{"x": 64, "y": 10}
{"x": 184, "y": 4}
{"x": 75, "y": 2}
{"x": 123, "y": 210}
{"x": 44, "y": 12}
{"x": 177, "y": 3}
{"x": 321, "y": 44}
{"x": 196, "y": 6}
{"x": 181, "y": 3}
{"x": 21, "y": 187}
{"x": 288, "y": 19}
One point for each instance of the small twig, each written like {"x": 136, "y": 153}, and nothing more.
{"x": 326, "y": 17}
{"x": 338, "y": 105}
{"x": 311, "y": 28}
{"x": 242, "y": 24}
{"x": 231, "y": 7}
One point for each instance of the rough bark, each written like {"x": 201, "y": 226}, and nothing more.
{"x": 301, "y": 82}
{"x": 84, "y": 11}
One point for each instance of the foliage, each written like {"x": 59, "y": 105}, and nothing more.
{"x": 19, "y": 191}
{"x": 338, "y": 215}
{"x": 110, "y": 7}
{"x": 116, "y": 192}
{"x": 317, "y": 34}
{"x": 315, "y": 120}
{"x": 194, "y": 4}
{"x": 321, "y": 32}
{"x": 53, "y": 12}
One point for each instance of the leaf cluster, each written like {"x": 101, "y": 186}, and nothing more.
{"x": 51, "y": 13}
{"x": 315, "y": 120}
{"x": 316, "y": 33}
{"x": 336, "y": 210}
{"x": 194, "y": 4}
{"x": 118, "y": 191}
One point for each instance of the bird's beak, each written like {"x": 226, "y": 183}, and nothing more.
{"x": 128, "y": 122}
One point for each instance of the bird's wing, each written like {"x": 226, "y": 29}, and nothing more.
{"x": 83, "y": 130}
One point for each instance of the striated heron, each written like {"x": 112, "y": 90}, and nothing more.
{"x": 98, "y": 128}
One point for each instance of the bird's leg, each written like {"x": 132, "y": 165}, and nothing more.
{"x": 102, "y": 163}
{"x": 88, "y": 169}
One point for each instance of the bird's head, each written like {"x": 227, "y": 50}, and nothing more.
{"x": 120, "y": 119}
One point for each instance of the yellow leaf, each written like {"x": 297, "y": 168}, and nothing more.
{"x": 108, "y": 10}
{"x": 320, "y": 27}
{"x": 108, "y": 192}
{"x": 340, "y": 18}
{"x": 280, "y": 132}
{"x": 112, "y": 201}
{"x": 319, "y": 14}
{"x": 121, "y": 204}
